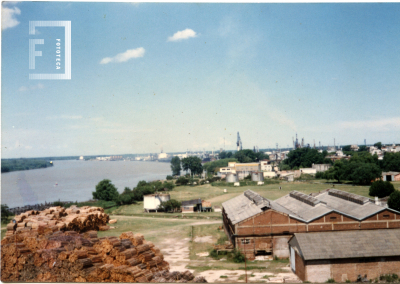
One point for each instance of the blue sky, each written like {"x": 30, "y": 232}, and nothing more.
{"x": 186, "y": 76}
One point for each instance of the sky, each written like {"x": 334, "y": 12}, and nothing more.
{"x": 146, "y": 76}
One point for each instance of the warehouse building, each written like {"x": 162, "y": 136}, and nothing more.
{"x": 257, "y": 226}
{"x": 346, "y": 255}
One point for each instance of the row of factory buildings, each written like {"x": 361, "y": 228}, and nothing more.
{"x": 332, "y": 234}
{"x": 264, "y": 169}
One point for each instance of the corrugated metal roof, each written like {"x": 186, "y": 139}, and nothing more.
{"x": 191, "y": 202}
{"x": 303, "y": 207}
{"x": 348, "y": 244}
{"x": 245, "y": 206}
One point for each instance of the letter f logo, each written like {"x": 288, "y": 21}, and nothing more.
{"x": 32, "y": 52}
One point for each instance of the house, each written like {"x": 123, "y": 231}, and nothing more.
{"x": 191, "y": 206}
{"x": 345, "y": 255}
{"x": 265, "y": 165}
{"x": 256, "y": 225}
{"x": 391, "y": 176}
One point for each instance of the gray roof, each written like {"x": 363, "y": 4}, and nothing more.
{"x": 390, "y": 173}
{"x": 303, "y": 207}
{"x": 245, "y": 206}
{"x": 191, "y": 202}
{"x": 347, "y": 244}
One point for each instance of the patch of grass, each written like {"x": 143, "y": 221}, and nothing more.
{"x": 251, "y": 267}
{"x": 223, "y": 276}
{"x": 330, "y": 280}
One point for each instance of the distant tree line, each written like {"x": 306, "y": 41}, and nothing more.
{"x": 362, "y": 168}
{"x": 107, "y": 191}
{"x": 216, "y": 165}
{"x": 10, "y": 165}
{"x": 304, "y": 158}
{"x": 190, "y": 163}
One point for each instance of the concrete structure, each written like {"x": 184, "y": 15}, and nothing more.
{"x": 345, "y": 256}
{"x": 391, "y": 176}
{"x": 231, "y": 178}
{"x": 257, "y": 176}
{"x": 321, "y": 167}
{"x": 190, "y": 206}
{"x": 269, "y": 174}
{"x": 256, "y": 225}
{"x": 152, "y": 201}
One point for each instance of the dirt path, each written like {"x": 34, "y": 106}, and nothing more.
{"x": 191, "y": 222}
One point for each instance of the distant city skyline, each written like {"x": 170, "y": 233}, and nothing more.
{"x": 179, "y": 76}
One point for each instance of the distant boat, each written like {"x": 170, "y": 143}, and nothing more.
{"x": 56, "y": 183}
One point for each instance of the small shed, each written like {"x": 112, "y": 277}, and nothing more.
{"x": 191, "y": 206}
{"x": 152, "y": 202}
{"x": 345, "y": 255}
{"x": 206, "y": 206}
{"x": 217, "y": 209}
{"x": 391, "y": 176}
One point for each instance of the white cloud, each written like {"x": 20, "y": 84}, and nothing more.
{"x": 282, "y": 119}
{"x": 185, "y": 34}
{"x": 383, "y": 124}
{"x": 124, "y": 56}
{"x": 65, "y": 117}
{"x": 8, "y": 17}
{"x": 34, "y": 87}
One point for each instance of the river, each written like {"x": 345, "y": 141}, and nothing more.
{"x": 75, "y": 180}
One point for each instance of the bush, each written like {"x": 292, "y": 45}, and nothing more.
{"x": 170, "y": 205}
{"x": 389, "y": 277}
{"x": 330, "y": 280}
{"x": 58, "y": 203}
{"x": 381, "y": 188}
{"x": 170, "y": 177}
{"x": 105, "y": 190}
{"x": 213, "y": 254}
{"x": 238, "y": 257}
{"x": 168, "y": 185}
{"x": 5, "y": 213}
{"x": 182, "y": 181}
{"x": 320, "y": 175}
{"x": 394, "y": 200}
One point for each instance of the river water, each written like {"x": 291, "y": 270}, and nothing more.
{"x": 75, "y": 180}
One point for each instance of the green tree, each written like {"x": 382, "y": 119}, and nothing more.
{"x": 391, "y": 162}
{"x": 365, "y": 173}
{"x": 5, "y": 213}
{"x": 362, "y": 148}
{"x": 394, "y": 200}
{"x": 222, "y": 155}
{"x": 245, "y": 156}
{"x": 215, "y": 165}
{"x": 378, "y": 145}
{"x": 381, "y": 188}
{"x": 193, "y": 164}
{"x": 338, "y": 171}
{"x": 229, "y": 155}
{"x": 105, "y": 190}
{"x": 305, "y": 157}
{"x": 170, "y": 205}
{"x": 182, "y": 181}
{"x": 346, "y": 148}
{"x": 176, "y": 166}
